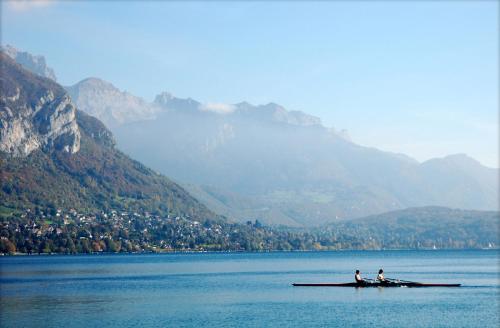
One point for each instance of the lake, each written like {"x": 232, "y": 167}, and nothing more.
{"x": 248, "y": 290}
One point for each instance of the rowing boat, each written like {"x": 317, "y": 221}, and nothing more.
{"x": 378, "y": 284}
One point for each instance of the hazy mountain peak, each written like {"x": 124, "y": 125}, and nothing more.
{"x": 166, "y": 100}
{"x": 243, "y": 104}
{"x": 34, "y": 64}
{"x": 273, "y": 106}
{"x": 273, "y": 112}
{"x": 103, "y": 100}
{"x": 460, "y": 159}
{"x": 96, "y": 82}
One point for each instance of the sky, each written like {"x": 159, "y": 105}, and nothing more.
{"x": 414, "y": 77}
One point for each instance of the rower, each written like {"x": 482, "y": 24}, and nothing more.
{"x": 380, "y": 276}
{"x": 358, "y": 278}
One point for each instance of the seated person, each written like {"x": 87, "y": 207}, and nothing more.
{"x": 380, "y": 277}
{"x": 358, "y": 278}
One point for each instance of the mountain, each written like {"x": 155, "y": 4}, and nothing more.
{"x": 65, "y": 188}
{"x": 55, "y": 156}
{"x": 281, "y": 167}
{"x": 271, "y": 112}
{"x": 115, "y": 107}
{"x": 424, "y": 227}
{"x": 34, "y": 64}
{"x": 262, "y": 162}
{"x": 112, "y": 106}
{"x": 284, "y": 167}
{"x": 36, "y": 113}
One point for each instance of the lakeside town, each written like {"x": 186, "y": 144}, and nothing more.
{"x": 70, "y": 232}
{"x": 58, "y": 231}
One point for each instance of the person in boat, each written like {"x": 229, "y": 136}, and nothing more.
{"x": 381, "y": 278}
{"x": 359, "y": 280}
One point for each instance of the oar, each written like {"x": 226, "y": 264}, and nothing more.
{"x": 369, "y": 280}
{"x": 399, "y": 280}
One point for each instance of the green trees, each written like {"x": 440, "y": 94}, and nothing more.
{"x": 119, "y": 231}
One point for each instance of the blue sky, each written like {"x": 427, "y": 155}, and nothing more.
{"x": 415, "y": 77}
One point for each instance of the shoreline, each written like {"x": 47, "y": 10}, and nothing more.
{"x": 248, "y": 252}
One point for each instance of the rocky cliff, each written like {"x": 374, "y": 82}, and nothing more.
{"x": 35, "y": 113}
{"x": 66, "y": 159}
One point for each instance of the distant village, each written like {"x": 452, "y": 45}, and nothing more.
{"x": 58, "y": 231}
{"x": 114, "y": 231}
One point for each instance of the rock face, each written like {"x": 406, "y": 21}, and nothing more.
{"x": 112, "y": 106}
{"x": 34, "y": 64}
{"x": 34, "y": 113}
{"x": 72, "y": 160}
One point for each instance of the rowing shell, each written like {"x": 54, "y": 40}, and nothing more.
{"x": 389, "y": 284}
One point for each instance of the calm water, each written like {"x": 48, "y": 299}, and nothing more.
{"x": 248, "y": 290}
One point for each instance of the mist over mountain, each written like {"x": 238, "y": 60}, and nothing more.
{"x": 62, "y": 179}
{"x": 284, "y": 167}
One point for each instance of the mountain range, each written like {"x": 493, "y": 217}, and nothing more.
{"x": 66, "y": 188}
{"x": 282, "y": 167}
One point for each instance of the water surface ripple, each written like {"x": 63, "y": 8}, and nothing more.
{"x": 248, "y": 290}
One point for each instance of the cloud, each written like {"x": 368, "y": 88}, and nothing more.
{"x": 25, "y": 5}
{"x": 218, "y": 108}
